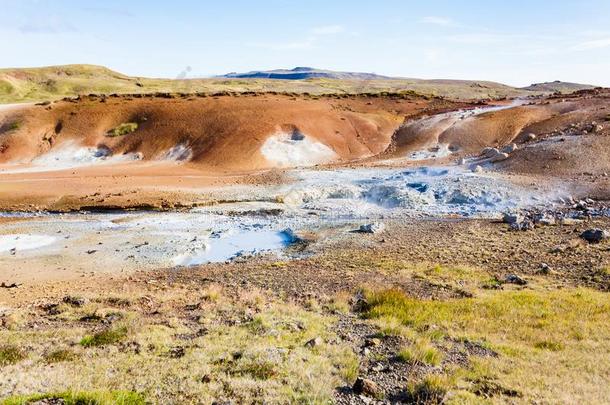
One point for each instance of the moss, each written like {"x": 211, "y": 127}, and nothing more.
{"x": 123, "y": 129}
{"x": 107, "y": 337}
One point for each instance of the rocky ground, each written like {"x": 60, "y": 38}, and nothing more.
{"x": 322, "y": 309}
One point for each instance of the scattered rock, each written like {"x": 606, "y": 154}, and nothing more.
{"x": 376, "y": 227}
{"x": 595, "y": 235}
{"x": 372, "y": 342}
{"x": 366, "y": 387}
{"x": 514, "y": 279}
{"x": 74, "y": 301}
{"x": 176, "y": 352}
{"x": 544, "y": 269}
{"x": 477, "y": 169}
{"x": 317, "y": 341}
{"x": 544, "y": 219}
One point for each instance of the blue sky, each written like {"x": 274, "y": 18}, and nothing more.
{"x": 514, "y": 42}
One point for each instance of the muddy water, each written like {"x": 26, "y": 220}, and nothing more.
{"x": 315, "y": 199}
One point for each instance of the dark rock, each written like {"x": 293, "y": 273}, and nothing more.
{"x": 595, "y": 235}
{"x": 376, "y": 227}
{"x": 514, "y": 279}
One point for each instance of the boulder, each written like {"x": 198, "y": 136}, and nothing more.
{"x": 514, "y": 279}
{"x": 595, "y": 235}
{"x": 364, "y": 386}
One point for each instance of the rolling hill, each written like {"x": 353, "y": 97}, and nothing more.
{"x": 55, "y": 82}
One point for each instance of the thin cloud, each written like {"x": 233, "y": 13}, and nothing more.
{"x": 436, "y": 20}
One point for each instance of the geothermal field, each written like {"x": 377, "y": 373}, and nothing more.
{"x": 296, "y": 245}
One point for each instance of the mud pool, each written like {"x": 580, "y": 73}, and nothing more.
{"x": 263, "y": 220}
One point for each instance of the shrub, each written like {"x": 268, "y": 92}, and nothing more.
{"x": 123, "y": 129}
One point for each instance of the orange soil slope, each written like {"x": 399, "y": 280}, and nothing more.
{"x": 223, "y": 132}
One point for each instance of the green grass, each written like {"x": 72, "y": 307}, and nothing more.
{"x": 107, "y": 337}
{"x": 54, "y": 82}
{"x": 551, "y": 344}
{"x": 123, "y": 129}
{"x": 81, "y": 398}
{"x": 10, "y": 354}
{"x": 431, "y": 390}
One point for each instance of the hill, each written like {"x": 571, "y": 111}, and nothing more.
{"x": 301, "y": 73}
{"x": 558, "y": 87}
{"x": 55, "y": 82}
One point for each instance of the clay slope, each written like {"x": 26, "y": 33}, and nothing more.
{"x": 468, "y": 134}
{"x": 222, "y": 132}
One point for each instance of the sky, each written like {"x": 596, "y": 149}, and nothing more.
{"x": 514, "y": 42}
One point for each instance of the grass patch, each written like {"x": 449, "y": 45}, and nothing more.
{"x": 10, "y": 354}
{"x": 81, "y": 398}
{"x": 525, "y": 317}
{"x": 534, "y": 332}
{"x": 431, "y": 390}
{"x": 123, "y": 129}
{"x": 421, "y": 353}
{"x": 107, "y": 337}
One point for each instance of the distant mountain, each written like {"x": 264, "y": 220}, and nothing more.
{"x": 300, "y": 73}
{"x": 558, "y": 87}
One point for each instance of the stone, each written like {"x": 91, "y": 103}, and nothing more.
{"x": 544, "y": 219}
{"x": 530, "y": 137}
{"x": 512, "y": 218}
{"x": 366, "y": 387}
{"x": 595, "y": 235}
{"x": 372, "y": 342}
{"x": 509, "y": 148}
{"x": 477, "y": 169}
{"x": 490, "y": 152}
{"x": 317, "y": 341}
{"x": 514, "y": 279}
{"x": 375, "y": 227}
{"x": 544, "y": 269}
{"x": 499, "y": 157}
{"x": 74, "y": 301}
